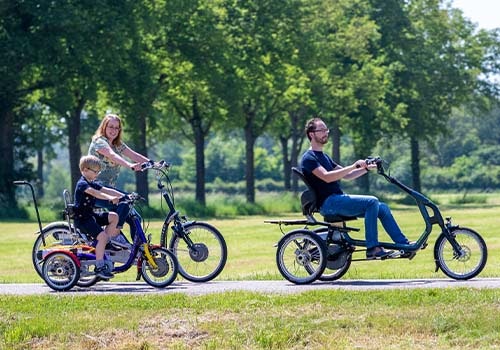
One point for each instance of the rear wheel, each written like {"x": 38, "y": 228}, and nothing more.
{"x": 338, "y": 258}
{"x": 60, "y": 271}
{"x": 53, "y": 235}
{"x": 466, "y": 263}
{"x": 338, "y": 261}
{"x": 301, "y": 256}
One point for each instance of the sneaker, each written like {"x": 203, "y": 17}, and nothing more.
{"x": 378, "y": 253}
{"x": 103, "y": 272}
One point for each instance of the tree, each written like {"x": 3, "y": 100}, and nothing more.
{"x": 437, "y": 59}
{"x": 257, "y": 39}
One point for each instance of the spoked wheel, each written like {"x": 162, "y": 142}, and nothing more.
{"x": 165, "y": 271}
{"x": 60, "y": 271}
{"x": 301, "y": 256}
{"x": 53, "y": 235}
{"x": 467, "y": 263}
{"x": 207, "y": 257}
{"x": 87, "y": 275}
{"x": 338, "y": 258}
{"x": 338, "y": 261}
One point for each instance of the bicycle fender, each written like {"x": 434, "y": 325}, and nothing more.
{"x": 62, "y": 224}
{"x": 67, "y": 252}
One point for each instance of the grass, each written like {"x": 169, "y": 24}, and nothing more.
{"x": 417, "y": 319}
{"x": 420, "y": 319}
{"x": 251, "y": 251}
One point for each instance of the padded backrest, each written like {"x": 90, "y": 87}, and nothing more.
{"x": 308, "y": 199}
{"x": 68, "y": 206}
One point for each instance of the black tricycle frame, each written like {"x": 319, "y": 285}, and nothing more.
{"x": 325, "y": 251}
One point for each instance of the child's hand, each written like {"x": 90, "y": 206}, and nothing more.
{"x": 115, "y": 199}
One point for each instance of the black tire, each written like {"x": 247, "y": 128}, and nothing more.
{"x": 206, "y": 259}
{"x": 338, "y": 259}
{"x": 87, "y": 275}
{"x": 301, "y": 256}
{"x": 166, "y": 270}
{"x": 60, "y": 271}
{"x": 54, "y": 235}
{"x": 337, "y": 268}
{"x": 469, "y": 263}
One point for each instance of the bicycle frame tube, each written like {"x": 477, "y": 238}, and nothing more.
{"x": 139, "y": 240}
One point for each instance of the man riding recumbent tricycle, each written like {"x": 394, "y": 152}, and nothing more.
{"x": 324, "y": 249}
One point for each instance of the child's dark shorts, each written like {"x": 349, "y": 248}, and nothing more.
{"x": 93, "y": 225}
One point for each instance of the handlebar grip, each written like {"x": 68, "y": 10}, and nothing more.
{"x": 20, "y": 183}
{"x": 147, "y": 165}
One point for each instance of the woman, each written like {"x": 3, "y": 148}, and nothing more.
{"x": 107, "y": 145}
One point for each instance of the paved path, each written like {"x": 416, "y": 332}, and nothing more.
{"x": 216, "y": 286}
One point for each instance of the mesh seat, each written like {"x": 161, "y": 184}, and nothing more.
{"x": 308, "y": 201}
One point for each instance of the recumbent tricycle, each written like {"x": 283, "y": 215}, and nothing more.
{"x": 324, "y": 249}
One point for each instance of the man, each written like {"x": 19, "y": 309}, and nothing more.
{"x": 324, "y": 175}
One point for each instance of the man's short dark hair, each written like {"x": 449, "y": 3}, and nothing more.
{"x": 311, "y": 126}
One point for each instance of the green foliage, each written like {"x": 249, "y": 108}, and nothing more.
{"x": 204, "y": 77}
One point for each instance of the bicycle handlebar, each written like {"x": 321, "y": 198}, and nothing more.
{"x": 155, "y": 165}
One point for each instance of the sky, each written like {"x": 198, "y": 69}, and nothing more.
{"x": 485, "y": 13}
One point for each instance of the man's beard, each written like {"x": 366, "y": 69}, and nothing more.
{"x": 323, "y": 140}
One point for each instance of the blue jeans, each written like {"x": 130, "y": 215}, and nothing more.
{"x": 368, "y": 207}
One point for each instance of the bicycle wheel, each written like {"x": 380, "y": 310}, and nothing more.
{"x": 206, "y": 258}
{"x": 60, "y": 271}
{"x": 165, "y": 271}
{"x": 466, "y": 264}
{"x": 54, "y": 234}
{"x": 338, "y": 261}
{"x": 301, "y": 256}
{"x": 338, "y": 258}
{"x": 87, "y": 275}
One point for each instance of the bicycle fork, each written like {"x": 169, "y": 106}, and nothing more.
{"x": 448, "y": 233}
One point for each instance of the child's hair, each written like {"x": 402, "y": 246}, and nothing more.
{"x": 90, "y": 162}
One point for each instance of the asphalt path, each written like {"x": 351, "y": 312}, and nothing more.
{"x": 266, "y": 287}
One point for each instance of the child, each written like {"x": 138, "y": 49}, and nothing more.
{"x": 86, "y": 193}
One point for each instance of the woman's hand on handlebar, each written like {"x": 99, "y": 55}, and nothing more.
{"x": 154, "y": 165}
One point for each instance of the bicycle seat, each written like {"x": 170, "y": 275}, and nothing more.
{"x": 308, "y": 201}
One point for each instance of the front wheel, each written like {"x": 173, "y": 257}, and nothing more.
{"x": 60, "y": 271}
{"x": 165, "y": 271}
{"x": 206, "y": 257}
{"x": 301, "y": 256}
{"x": 466, "y": 263}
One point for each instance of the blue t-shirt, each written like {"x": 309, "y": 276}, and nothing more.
{"x": 84, "y": 202}
{"x": 312, "y": 160}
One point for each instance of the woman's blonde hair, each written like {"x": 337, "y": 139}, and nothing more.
{"x": 90, "y": 162}
{"x": 101, "y": 130}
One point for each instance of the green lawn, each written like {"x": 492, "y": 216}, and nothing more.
{"x": 453, "y": 318}
{"x": 252, "y": 253}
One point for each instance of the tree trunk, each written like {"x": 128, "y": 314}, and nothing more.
{"x": 249, "y": 114}
{"x": 74, "y": 149}
{"x": 250, "y": 166}
{"x": 7, "y": 198}
{"x": 335, "y": 137}
{"x": 39, "y": 172}
{"x": 415, "y": 164}
{"x": 287, "y": 164}
{"x": 141, "y": 177}
{"x": 199, "y": 142}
